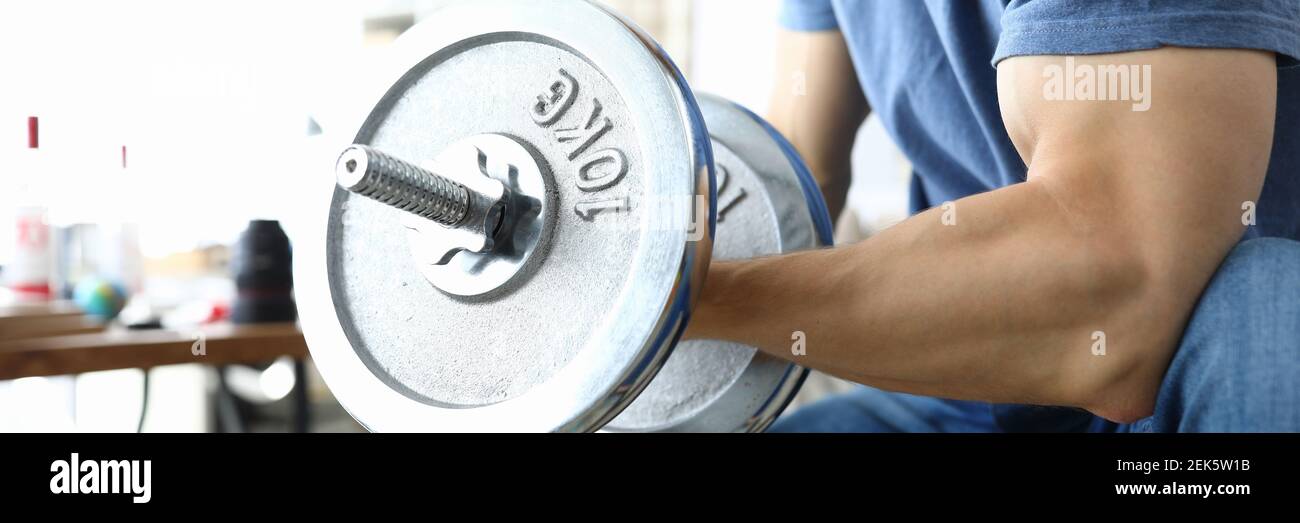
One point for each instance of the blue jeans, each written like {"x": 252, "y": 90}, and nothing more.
{"x": 1237, "y": 368}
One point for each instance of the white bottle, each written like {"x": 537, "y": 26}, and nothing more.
{"x": 28, "y": 274}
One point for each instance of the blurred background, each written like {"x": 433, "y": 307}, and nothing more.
{"x": 165, "y": 128}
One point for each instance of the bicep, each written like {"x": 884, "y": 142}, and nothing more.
{"x": 1166, "y": 171}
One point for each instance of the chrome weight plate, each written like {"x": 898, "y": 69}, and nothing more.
{"x": 767, "y": 204}
{"x": 565, "y": 337}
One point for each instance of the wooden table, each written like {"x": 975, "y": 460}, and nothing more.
{"x": 55, "y": 339}
{"x": 223, "y": 344}
{"x": 31, "y": 320}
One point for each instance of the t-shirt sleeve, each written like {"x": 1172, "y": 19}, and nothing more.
{"x": 1063, "y": 27}
{"x": 808, "y": 15}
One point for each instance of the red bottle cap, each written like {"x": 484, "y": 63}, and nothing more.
{"x": 33, "y": 133}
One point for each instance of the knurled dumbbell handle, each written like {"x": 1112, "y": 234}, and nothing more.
{"x": 367, "y": 172}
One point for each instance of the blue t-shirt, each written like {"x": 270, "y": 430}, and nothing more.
{"x": 924, "y": 66}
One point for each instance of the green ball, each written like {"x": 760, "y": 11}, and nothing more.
{"x": 99, "y": 297}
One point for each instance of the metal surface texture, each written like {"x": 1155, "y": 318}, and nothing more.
{"x": 763, "y": 209}
{"x": 568, "y": 342}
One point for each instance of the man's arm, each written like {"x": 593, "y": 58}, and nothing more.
{"x": 818, "y": 105}
{"x": 1123, "y": 220}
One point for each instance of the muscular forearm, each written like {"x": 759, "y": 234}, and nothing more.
{"x": 995, "y": 301}
{"x": 1000, "y": 300}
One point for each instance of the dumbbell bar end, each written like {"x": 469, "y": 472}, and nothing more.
{"x": 364, "y": 171}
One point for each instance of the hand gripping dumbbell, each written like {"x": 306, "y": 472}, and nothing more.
{"x": 523, "y": 221}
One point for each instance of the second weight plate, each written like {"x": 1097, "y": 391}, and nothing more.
{"x": 768, "y": 203}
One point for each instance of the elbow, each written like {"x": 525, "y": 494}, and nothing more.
{"x": 1134, "y": 320}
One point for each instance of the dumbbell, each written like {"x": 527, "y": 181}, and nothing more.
{"x": 522, "y": 222}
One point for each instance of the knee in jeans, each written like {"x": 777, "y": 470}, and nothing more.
{"x": 1252, "y": 303}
